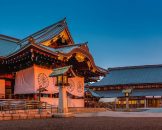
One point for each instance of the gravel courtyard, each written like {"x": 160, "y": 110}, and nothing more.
{"x": 82, "y": 123}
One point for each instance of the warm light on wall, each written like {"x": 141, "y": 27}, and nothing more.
{"x": 62, "y": 34}
{"x": 60, "y": 57}
{"x": 62, "y": 80}
{"x": 79, "y": 57}
{"x": 89, "y": 64}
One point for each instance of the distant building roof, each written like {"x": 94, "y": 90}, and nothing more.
{"x": 131, "y": 75}
{"x": 135, "y": 93}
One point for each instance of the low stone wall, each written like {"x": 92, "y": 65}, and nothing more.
{"x": 21, "y": 114}
{"x": 45, "y": 113}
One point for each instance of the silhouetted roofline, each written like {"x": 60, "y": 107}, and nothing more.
{"x": 135, "y": 67}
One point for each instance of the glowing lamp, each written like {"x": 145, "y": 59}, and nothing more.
{"x": 127, "y": 92}
{"x": 62, "y": 80}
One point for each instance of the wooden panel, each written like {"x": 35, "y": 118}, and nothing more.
{"x": 51, "y": 42}
{"x": 2, "y": 88}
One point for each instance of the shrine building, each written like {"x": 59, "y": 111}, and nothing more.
{"x": 25, "y": 65}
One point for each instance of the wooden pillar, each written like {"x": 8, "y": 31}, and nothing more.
{"x": 127, "y": 103}
{"x": 2, "y": 88}
{"x": 35, "y": 96}
{"x": 145, "y": 103}
{"x": 115, "y": 103}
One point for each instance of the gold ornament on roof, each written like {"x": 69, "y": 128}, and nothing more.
{"x": 89, "y": 64}
{"x": 60, "y": 57}
{"x": 79, "y": 57}
{"x": 31, "y": 40}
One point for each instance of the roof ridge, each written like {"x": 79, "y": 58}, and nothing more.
{"x": 78, "y": 44}
{"x": 45, "y": 28}
{"x": 135, "y": 67}
{"x": 9, "y": 38}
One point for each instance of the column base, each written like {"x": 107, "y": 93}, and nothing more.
{"x": 62, "y": 110}
{"x": 62, "y": 115}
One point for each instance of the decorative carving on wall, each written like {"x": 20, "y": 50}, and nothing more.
{"x": 43, "y": 80}
{"x": 54, "y": 84}
{"x": 80, "y": 87}
{"x": 71, "y": 86}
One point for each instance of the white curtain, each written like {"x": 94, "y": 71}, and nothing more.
{"x": 29, "y": 80}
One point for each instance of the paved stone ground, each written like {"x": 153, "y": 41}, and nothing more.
{"x": 89, "y": 123}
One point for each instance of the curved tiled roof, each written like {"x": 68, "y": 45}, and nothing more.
{"x": 132, "y": 75}
{"x": 135, "y": 93}
{"x": 13, "y": 45}
{"x": 66, "y": 49}
{"x": 8, "y": 45}
{"x": 46, "y": 33}
{"x": 8, "y": 38}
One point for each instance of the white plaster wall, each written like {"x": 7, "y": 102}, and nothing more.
{"x": 24, "y": 82}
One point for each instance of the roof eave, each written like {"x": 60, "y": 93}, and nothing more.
{"x": 113, "y": 85}
{"x": 9, "y": 38}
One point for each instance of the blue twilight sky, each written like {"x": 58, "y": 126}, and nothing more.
{"x": 119, "y": 32}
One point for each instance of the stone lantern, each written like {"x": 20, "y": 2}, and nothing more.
{"x": 127, "y": 93}
{"x": 62, "y": 74}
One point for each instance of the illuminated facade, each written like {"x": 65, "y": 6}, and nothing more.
{"x": 27, "y": 63}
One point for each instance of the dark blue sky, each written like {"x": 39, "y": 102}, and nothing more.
{"x": 119, "y": 32}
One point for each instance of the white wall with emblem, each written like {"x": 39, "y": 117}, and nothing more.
{"x": 29, "y": 80}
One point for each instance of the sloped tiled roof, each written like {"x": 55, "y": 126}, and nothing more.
{"x": 46, "y": 33}
{"x": 135, "y": 93}
{"x": 65, "y": 49}
{"x": 8, "y": 38}
{"x": 132, "y": 75}
{"x": 93, "y": 93}
{"x": 8, "y": 49}
{"x": 8, "y": 45}
{"x": 59, "y": 71}
{"x": 13, "y": 45}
